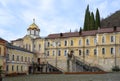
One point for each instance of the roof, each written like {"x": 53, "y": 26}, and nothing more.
{"x": 33, "y": 26}
{"x": 83, "y": 33}
{"x": 9, "y": 45}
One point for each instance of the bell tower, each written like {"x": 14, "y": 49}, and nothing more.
{"x": 33, "y": 30}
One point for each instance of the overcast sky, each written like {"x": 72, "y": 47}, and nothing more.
{"x": 52, "y": 16}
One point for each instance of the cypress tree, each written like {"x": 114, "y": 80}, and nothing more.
{"x": 97, "y": 23}
{"x": 87, "y": 19}
{"x": 92, "y": 21}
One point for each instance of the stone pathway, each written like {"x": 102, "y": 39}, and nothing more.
{"x": 62, "y": 77}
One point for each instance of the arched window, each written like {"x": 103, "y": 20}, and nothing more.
{"x": 87, "y": 42}
{"x": 39, "y": 46}
{"x": 47, "y": 53}
{"x": 112, "y": 50}
{"x": 95, "y": 52}
{"x": 17, "y": 68}
{"x": 65, "y": 53}
{"x": 13, "y": 57}
{"x": 65, "y": 43}
{"x": 22, "y": 58}
{"x": 48, "y": 44}
{"x": 80, "y": 53}
{"x": 103, "y": 39}
{"x": 59, "y": 53}
{"x": 103, "y": 50}
{"x": 79, "y": 42}
{"x": 112, "y": 38}
{"x": 71, "y": 43}
{"x": 87, "y": 52}
{"x": 53, "y": 53}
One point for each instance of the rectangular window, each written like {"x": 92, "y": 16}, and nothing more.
{"x": 47, "y": 53}
{"x": 65, "y": 43}
{"x": 7, "y": 58}
{"x": 87, "y": 42}
{"x": 103, "y": 51}
{"x": 17, "y": 68}
{"x": 112, "y": 38}
{"x": 59, "y": 53}
{"x": 12, "y": 67}
{"x": 80, "y": 53}
{"x": 39, "y": 46}
{"x": 65, "y": 53}
{"x": 21, "y": 68}
{"x": 25, "y": 59}
{"x": 95, "y": 41}
{"x": 79, "y": 42}
{"x": 53, "y": 53}
{"x": 112, "y": 50}
{"x": 13, "y": 57}
{"x": 22, "y": 58}
{"x": 71, "y": 43}
{"x": 7, "y": 68}
{"x": 17, "y": 58}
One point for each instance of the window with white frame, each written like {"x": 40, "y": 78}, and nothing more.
{"x": 48, "y": 53}
{"x": 95, "y": 41}
{"x": 65, "y": 43}
{"x": 103, "y": 51}
{"x": 87, "y": 52}
{"x": 65, "y": 53}
{"x": 103, "y": 39}
{"x": 59, "y": 53}
{"x": 7, "y": 68}
{"x": 87, "y": 42}
{"x": 80, "y": 42}
{"x": 71, "y": 43}
{"x": 112, "y": 38}
{"x": 13, "y": 57}
{"x": 48, "y": 44}
{"x": 95, "y": 52}
{"x": 112, "y": 50}
{"x": 39, "y": 46}
{"x": 80, "y": 52}
{"x": 17, "y": 58}
{"x": 12, "y": 67}
{"x": 53, "y": 53}
{"x": 22, "y": 58}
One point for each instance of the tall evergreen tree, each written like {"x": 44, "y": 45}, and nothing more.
{"x": 92, "y": 21}
{"x": 97, "y": 23}
{"x": 87, "y": 19}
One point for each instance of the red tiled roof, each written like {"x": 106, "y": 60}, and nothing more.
{"x": 83, "y": 33}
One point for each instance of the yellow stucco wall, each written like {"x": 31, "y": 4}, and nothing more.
{"x": 22, "y": 65}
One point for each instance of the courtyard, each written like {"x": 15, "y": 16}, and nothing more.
{"x": 63, "y": 77}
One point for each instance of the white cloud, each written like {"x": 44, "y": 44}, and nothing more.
{"x": 51, "y": 16}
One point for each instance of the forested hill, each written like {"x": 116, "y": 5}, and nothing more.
{"x": 112, "y": 20}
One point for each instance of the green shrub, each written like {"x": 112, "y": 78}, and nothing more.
{"x": 116, "y": 68}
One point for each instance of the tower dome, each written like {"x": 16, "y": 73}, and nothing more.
{"x": 33, "y": 30}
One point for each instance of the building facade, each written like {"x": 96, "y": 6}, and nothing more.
{"x": 100, "y": 48}
{"x": 15, "y": 59}
{"x": 2, "y": 54}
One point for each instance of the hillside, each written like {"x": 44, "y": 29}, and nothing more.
{"x": 112, "y": 20}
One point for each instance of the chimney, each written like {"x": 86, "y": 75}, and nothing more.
{"x": 61, "y": 34}
{"x": 115, "y": 28}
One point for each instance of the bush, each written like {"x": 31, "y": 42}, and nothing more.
{"x": 116, "y": 68}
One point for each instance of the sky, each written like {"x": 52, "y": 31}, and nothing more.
{"x": 52, "y": 16}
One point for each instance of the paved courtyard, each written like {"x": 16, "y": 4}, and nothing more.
{"x": 63, "y": 77}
